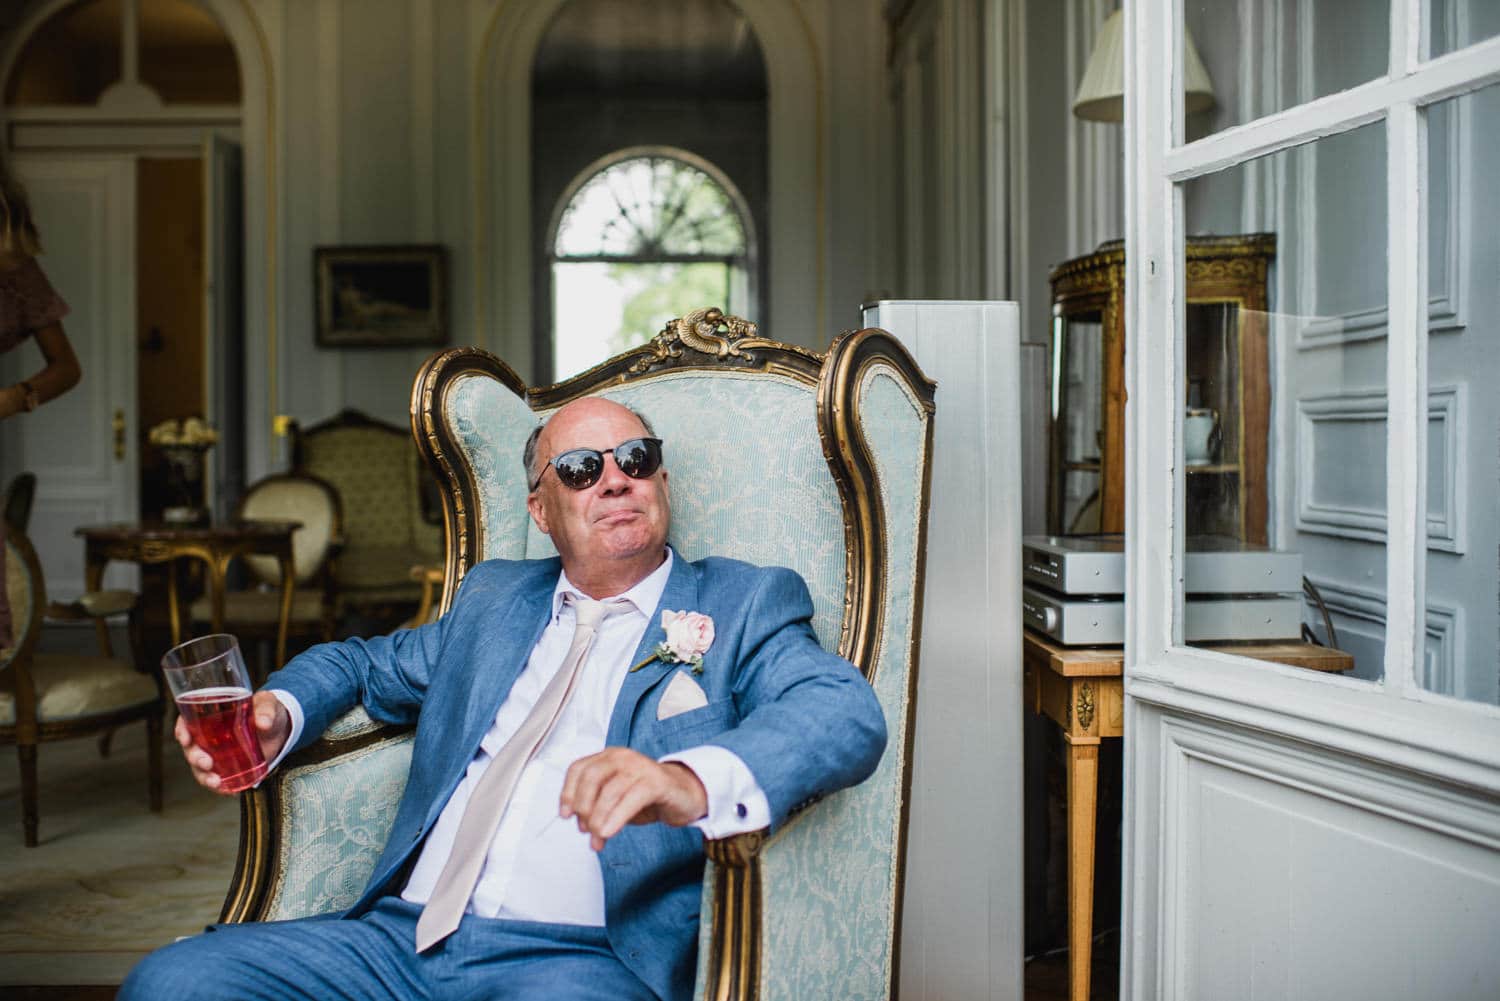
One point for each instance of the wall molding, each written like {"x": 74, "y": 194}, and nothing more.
{"x": 1362, "y": 783}
{"x": 1446, "y": 525}
{"x": 1446, "y": 311}
{"x": 1438, "y": 671}
{"x": 1194, "y": 751}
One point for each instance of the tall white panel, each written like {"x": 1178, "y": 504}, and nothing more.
{"x": 962, "y": 920}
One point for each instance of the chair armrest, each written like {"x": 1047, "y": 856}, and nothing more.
{"x": 94, "y": 605}
{"x": 311, "y": 834}
{"x": 772, "y": 904}
{"x": 431, "y": 579}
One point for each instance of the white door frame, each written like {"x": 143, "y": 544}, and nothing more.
{"x": 86, "y": 469}
{"x": 1446, "y": 752}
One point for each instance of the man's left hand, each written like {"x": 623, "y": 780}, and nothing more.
{"x": 618, "y": 786}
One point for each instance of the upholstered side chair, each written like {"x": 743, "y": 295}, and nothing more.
{"x": 377, "y": 474}
{"x": 778, "y": 455}
{"x": 46, "y": 697}
{"x": 256, "y": 610}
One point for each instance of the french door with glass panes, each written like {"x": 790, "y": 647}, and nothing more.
{"x": 1290, "y": 833}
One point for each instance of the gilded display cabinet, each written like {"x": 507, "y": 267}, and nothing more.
{"x": 1226, "y": 404}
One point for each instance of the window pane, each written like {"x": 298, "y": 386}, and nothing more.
{"x": 650, "y": 206}
{"x": 71, "y": 58}
{"x": 604, "y": 308}
{"x": 185, "y": 56}
{"x": 1454, "y": 24}
{"x": 1077, "y": 397}
{"x": 1263, "y": 56}
{"x": 1463, "y": 463}
{"x": 1284, "y": 409}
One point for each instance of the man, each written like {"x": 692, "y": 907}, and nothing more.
{"x": 587, "y": 886}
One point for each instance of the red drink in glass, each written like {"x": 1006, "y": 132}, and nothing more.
{"x": 219, "y": 721}
{"x": 209, "y": 682}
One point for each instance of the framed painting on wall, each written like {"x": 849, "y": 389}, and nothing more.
{"x": 392, "y": 296}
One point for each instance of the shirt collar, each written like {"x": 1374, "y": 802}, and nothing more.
{"x": 644, "y": 596}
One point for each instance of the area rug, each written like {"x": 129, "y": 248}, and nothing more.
{"x": 110, "y": 880}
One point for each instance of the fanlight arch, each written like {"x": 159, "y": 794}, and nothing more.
{"x": 640, "y": 236}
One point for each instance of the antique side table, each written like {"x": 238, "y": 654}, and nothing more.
{"x": 1082, "y": 690}
{"x": 215, "y": 545}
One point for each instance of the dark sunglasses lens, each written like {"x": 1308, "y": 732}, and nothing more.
{"x": 580, "y": 468}
{"x": 638, "y": 458}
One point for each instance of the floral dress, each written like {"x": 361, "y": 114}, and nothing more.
{"x": 28, "y": 302}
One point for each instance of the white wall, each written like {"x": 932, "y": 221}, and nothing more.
{"x": 387, "y": 115}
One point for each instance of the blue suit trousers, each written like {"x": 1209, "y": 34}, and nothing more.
{"x": 373, "y": 956}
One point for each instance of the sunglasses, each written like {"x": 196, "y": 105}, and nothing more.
{"x": 580, "y": 468}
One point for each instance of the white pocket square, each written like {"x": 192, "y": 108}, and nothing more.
{"x": 682, "y": 695}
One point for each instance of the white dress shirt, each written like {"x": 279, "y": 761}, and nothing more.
{"x": 539, "y": 866}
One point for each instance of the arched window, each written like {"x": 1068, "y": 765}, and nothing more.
{"x": 642, "y": 236}
{"x": 104, "y": 53}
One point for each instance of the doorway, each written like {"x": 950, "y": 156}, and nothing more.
{"x": 124, "y": 121}
{"x": 169, "y": 318}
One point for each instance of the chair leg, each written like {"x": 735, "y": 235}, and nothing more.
{"x": 153, "y": 759}
{"x": 105, "y": 739}
{"x": 28, "y": 792}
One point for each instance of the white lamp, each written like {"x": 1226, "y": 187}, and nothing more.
{"x": 1101, "y": 95}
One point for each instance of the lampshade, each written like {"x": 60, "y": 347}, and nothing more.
{"x": 1101, "y": 94}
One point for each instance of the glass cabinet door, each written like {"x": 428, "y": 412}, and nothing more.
{"x": 1212, "y": 425}
{"x": 1225, "y": 404}
{"x": 1077, "y": 400}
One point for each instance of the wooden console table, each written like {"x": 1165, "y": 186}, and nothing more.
{"x": 1082, "y": 690}
{"x": 215, "y": 545}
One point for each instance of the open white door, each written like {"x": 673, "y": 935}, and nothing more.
{"x": 81, "y": 446}
{"x": 224, "y": 318}
{"x": 1291, "y": 834}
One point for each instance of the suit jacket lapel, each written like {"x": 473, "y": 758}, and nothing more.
{"x": 680, "y": 594}
{"x": 502, "y": 653}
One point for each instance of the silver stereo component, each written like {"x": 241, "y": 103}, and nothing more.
{"x": 1100, "y": 621}
{"x": 1213, "y": 564}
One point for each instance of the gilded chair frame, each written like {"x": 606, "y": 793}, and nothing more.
{"x": 705, "y": 339}
{"x": 16, "y": 678}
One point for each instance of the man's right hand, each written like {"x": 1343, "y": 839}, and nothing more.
{"x": 273, "y": 725}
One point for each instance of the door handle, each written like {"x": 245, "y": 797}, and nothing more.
{"x": 118, "y": 424}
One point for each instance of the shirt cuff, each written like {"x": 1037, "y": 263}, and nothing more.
{"x": 736, "y": 803}
{"x": 294, "y": 710}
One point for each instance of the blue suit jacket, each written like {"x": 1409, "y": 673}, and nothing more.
{"x": 804, "y": 721}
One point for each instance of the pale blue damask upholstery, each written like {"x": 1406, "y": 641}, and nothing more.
{"x": 814, "y": 913}
{"x": 720, "y": 430}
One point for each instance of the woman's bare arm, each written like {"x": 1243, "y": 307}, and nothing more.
{"x": 60, "y": 374}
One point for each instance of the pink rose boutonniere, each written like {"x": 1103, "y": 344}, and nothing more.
{"x": 689, "y": 635}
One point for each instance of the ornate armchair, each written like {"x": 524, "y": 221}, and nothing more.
{"x": 387, "y": 529}
{"x": 45, "y": 697}
{"x": 778, "y": 455}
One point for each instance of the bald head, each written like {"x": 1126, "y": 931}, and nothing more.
{"x": 612, "y": 533}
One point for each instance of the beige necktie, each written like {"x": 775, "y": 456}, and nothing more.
{"x": 455, "y": 884}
